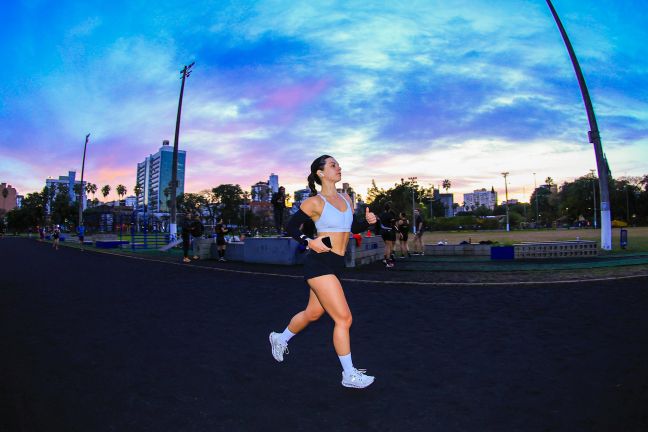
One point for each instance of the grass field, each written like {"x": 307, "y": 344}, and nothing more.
{"x": 637, "y": 237}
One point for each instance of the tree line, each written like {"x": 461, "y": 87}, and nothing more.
{"x": 549, "y": 205}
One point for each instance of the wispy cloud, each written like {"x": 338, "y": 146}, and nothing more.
{"x": 459, "y": 90}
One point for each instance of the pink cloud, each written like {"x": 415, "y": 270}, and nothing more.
{"x": 294, "y": 96}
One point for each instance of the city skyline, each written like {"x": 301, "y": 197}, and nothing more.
{"x": 462, "y": 91}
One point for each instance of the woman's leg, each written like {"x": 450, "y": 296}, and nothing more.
{"x": 279, "y": 341}
{"x": 331, "y": 297}
{"x": 313, "y": 312}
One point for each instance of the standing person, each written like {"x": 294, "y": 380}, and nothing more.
{"x": 403, "y": 226}
{"x": 388, "y": 232}
{"x": 197, "y": 229}
{"x": 278, "y": 206}
{"x": 333, "y": 216}
{"x": 221, "y": 230}
{"x": 418, "y": 223}
{"x": 41, "y": 233}
{"x": 187, "y": 226}
{"x": 56, "y": 235}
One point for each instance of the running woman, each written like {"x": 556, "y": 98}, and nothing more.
{"x": 333, "y": 216}
{"x": 56, "y": 235}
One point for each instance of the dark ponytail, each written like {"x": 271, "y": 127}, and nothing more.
{"x": 313, "y": 178}
{"x": 311, "y": 185}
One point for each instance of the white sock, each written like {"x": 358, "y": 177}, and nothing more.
{"x": 347, "y": 363}
{"x": 286, "y": 335}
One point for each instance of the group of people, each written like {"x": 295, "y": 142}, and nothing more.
{"x": 54, "y": 233}
{"x": 193, "y": 229}
{"x": 396, "y": 229}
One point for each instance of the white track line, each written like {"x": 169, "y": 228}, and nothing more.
{"x": 372, "y": 281}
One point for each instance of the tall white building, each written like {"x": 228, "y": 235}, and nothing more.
{"x": 480, "y": 197}
{"x": 273, "y": 182}
{"x": 154, "y": 176}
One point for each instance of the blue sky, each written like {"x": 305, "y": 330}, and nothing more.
{"x": 462, "y": 90}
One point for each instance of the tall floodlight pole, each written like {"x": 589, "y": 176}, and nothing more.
{"x": 594, "y": 138}
{"x": 173, "y": 227}
{"x": 594, "y": 196}
{"x": 413, "y": 180}
{"x": 535, "y": 185}
{"x": 81, "y": 190}
{"x": 505, "y": 174}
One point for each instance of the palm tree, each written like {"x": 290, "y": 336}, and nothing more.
{"x": 446, "y": 185}
{"x": 137, "y": 190}
{"x": 121, "y": 190}
{"x": 549, "y": 181}
{"x": 105, "y": 190}
{"x": 91, "y": 188}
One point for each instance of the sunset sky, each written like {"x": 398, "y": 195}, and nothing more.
{"x": 462, "y": 90}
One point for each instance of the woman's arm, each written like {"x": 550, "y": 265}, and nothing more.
{"x": 309, "y": 209}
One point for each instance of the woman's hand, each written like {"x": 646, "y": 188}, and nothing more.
{"x": 371, "y": 218}
{"x": 317, "y": 245}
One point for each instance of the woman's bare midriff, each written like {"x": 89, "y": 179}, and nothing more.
{"x": 339, "y": 241}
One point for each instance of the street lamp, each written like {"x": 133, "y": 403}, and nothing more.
{"x": 81, "y": 190}
{"x": 173, "y": 230}
{"x": 505, "y": 174}
{"x": 412, "y": 181}
{"x": 535, "y": 185}
{"x": 594, "y": 138}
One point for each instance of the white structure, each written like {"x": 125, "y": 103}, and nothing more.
{"x": 447, "y": 199}
{"x": 130, "y": 201}
{"x": 154, "y": 176}
{"x": 300, "y": 196}
{"x": 261, "y": 192}
{"x": 66, "y": 181}
{"x": 480, "y": 197}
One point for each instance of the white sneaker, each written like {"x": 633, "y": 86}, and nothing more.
{"x": 278, "y": 347}
{"x": 357, "y": 378}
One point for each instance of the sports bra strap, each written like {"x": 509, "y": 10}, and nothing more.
{"x": 344, "y": 199}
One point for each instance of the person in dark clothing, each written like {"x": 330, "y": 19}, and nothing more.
{"x": 418, "y": 224}
{"x": 56, "y": 235}
{"x": 388, "y": 231}
{"x": 187, "y": 226}
{"x": 403, "y": 225}
{"x": 197, "y": 229}
{"x": 278, "y": 206}
{"x": 221, "y": 230}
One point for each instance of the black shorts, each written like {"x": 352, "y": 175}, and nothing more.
{"x": 320, "y": 264}
{"x": 389, "y": 235}
{"x": 404, "y": 236}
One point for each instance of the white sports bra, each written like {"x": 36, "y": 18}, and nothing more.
{"x": 334, "y": 220}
